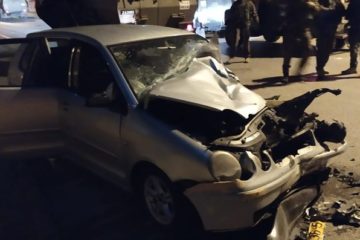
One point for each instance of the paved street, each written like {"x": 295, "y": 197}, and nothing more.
{"x": 58, "y": 200}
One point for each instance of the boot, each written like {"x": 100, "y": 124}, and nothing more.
{"x": 321, "y": 72}
{"x": 350, "y": 70}
{"x": 285, "y": 69}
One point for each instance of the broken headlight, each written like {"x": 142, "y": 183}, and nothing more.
{"x": 224, "y": 166}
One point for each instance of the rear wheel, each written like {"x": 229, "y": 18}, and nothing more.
{"x": 339, "y": 43}
{"x": 271, "y": 20}
{"x": 271, "y": 37}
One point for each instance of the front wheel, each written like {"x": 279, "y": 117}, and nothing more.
{"x": 166, "y": 203}
{"x": 159, "y": 199}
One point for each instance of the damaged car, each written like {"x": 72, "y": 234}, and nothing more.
{"x": 154, "y": 110}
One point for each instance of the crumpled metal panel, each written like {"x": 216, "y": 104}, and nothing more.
{"x": 204, "y": 86}
{"x": 289, "y": 211}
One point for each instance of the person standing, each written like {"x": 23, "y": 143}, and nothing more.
{"x": 2, "y": 8}
{"x": 243, "y": 14}
{"x": 297, "y": 35}
{"x": 327, "y": 20}
{"x": 353, "y": 16}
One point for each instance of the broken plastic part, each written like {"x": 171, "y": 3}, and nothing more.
{"x": 333, "y": 132}
{"x": 295, "y": 107}
{"x": 290, "y": 210}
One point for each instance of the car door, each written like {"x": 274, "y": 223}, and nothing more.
{"x": 90, "y": 120}
{"x": 29, "y": 124}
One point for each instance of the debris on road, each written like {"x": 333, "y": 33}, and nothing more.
{"x": 339, "y": 212}
{"x": 347, "y": 178}
{"x": 335, "y": 210}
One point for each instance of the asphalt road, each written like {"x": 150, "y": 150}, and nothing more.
{"x": 40, "y": 200}
{"x": 61, "y": 201}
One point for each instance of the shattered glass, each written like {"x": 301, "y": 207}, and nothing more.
{"x": 146, "y": 63}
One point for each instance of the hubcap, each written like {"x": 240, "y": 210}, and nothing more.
{"x": 159, "y": 200}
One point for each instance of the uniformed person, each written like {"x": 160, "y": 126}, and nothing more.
{"x": 243, "y": 16}
{"x": 353, "y": 15}
{"x": 297, "y": 33}
{"x": 327, "y": 20}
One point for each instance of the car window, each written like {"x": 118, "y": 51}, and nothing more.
{"x": 92, "y": 79}
{"x": 93, "y": 75}
{"x": 146, "y": 63}
{"x": 7, "y": 54}
{"x": 46, "y": 63}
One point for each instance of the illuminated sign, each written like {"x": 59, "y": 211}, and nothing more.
{"x": 184, "y": 5}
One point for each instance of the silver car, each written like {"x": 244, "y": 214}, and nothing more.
{"x": 154, "y": 110}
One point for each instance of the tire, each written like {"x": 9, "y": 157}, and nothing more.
{"x": 270, "y": 20}
{"x": 271, "y": 37}
{"x": 166, "y": 205}
{"x": 159, "y": 198}
{"x": 339, "y": 43}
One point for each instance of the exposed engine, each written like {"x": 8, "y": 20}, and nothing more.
{"x": 277, "y": 131}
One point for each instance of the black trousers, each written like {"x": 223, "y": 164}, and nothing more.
{"x": 354, "y": 40}
{"x": 324, "y": 45}
{"x": 243, "y": 45}
{"x": 291, "y": 44}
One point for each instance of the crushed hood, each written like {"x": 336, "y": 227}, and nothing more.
{"x": 207, "y": 83}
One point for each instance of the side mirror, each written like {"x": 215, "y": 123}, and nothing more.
{"x": 110, "y": 98}
{"x": 99, "y": 100}
{"x": 102, "y": 99}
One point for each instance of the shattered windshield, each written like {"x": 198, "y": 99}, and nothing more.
{"x": 146, "y": 63}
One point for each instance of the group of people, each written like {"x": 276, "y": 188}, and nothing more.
{"x": 300, "y": 19}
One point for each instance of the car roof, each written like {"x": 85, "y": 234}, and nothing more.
{"x": 112, "y": 34}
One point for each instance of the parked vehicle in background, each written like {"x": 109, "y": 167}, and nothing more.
{"x": 169, "y": 13}
{"x": 209, "y": 15}
{"x": 212, "y": 15}
{"x": 13, "y": 7}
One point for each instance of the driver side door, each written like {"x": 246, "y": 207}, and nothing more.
{"x": 91, "y": 113}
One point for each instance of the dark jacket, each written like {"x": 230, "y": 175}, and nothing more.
{"x": 353, "y": 14}
{"x": 299, "y": 16}
{"x": 330, "y": 14}
{"x": 243, "y": 13}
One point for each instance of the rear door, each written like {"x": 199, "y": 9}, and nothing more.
{"x": 29, "y": 125}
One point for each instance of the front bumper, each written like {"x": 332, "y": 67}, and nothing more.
{"x": 231, "y": 205}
